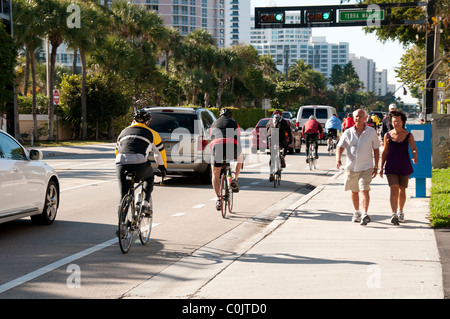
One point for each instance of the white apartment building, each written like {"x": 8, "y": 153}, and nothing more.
{"x": 381, "y": 83}
{"x": 365, "y": 68}
{"x": 287, "y": 46}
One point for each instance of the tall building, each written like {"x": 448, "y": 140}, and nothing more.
{"x": 227, "y": 20}
{"x": 323, "y": 55}
{"x": 287, "y": 46}
{"x": 365, "y": 68}
{"x": 381, "y": 83}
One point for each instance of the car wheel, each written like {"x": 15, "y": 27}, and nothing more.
{"x": 48, "y": 215}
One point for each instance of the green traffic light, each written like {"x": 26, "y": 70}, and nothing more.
{"x": 326, "y": 16}
{"x": 279, "y": 16}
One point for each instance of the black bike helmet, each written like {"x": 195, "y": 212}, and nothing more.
{"x": 226, "y": 112}
{"x": 142, "y": 116}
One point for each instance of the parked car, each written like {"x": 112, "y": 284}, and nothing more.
{"x": 259, "y": 140}
{"x": 185, "y": 133}
{"x": 28, "y": 186}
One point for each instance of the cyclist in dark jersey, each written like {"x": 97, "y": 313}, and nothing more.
{"x": 225, "y": 145}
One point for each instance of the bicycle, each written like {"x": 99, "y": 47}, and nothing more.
{"x": 226, "y": 195}
{"x": 131, "y": 218}
{"x": 312, "y": 161}
{"x": 277, "y": 166}
{"x": 331, "y": 145}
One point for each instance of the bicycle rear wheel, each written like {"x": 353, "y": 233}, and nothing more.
{"x": 125, "y": 231}
{"x": 223, "y": 194}
{"x": 145, "y": 223}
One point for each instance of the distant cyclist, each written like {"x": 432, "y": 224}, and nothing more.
{"x": 134, "y": 145}
{"x": 279, "y": 129}
{"x": 348, "y": 122}
{"x": 312, "y": 130}
{"x": 225, "y": 146}
{"x": 333, "y": 125}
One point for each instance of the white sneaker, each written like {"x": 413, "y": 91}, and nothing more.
{"x": 365, "y": 219}
{"x": 401, "y": 217}
{"x": 356, "y": 217}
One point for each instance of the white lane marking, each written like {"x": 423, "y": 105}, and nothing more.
{"x": 178, "y": 214}
{"x": 199, "y": 206}
{"x": 55, "y": 265}
{"x": 85, "y": 185}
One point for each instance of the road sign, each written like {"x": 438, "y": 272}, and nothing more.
{"x": 360, "y": 15}
{"x": 56, "y": 97}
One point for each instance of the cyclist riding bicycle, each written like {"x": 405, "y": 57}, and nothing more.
{"x": 312, "y": 130}
{"x": 225, "y": 146}
{"x": 278, "y": 134}
{"x": 134, "y": 145}
{"x": 333, "y": 125}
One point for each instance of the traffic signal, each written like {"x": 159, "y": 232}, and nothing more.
{"x": 318, "y": 16}
{"x": 272, "y": 17}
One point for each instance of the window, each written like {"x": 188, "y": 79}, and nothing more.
{"x": 10, "y": 149}
{"x": 321, "y": 113}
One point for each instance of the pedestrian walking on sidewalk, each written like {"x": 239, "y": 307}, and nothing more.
{"x": 362, "y": 147}
{"x": 398, "y": 163}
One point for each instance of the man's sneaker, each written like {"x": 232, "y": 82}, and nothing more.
{"x": 218, "y": 204}
{"x": 394, "y": 219}
{"x": 365, "y": 220}
{"x": 356, "y": 217}
{"x": 234, "y": 186}
{"x": 401, "y": 217}
{"x": 316, "y": 157}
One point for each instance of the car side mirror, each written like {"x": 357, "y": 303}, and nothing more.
{"x": 36, "y": 155}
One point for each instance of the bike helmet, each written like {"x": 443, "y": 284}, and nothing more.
{"x": 142, "y": 116}
{"x": 277, "y": 112}
{"x": 312, "y": 117}
{"x": 226, "y": 112}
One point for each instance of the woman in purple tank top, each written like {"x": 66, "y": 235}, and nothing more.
{"x": 398, "y": 163}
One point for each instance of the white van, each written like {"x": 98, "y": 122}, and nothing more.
{"x": 321, "y": 112}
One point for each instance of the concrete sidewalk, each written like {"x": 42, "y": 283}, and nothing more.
{"x": 313, "y": 250}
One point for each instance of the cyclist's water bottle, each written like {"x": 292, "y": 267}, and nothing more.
{"x": 229, "y": 178}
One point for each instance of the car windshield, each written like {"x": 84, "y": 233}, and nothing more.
{"x": 163, "y": 122}
{"x": 262, "y": 122}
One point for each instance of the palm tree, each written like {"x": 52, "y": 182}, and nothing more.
{"x": 228, "y": 65}
{"x": 27, "y": 31}
{"x": 53, "y": 19}
{"x": 86, "y": 38}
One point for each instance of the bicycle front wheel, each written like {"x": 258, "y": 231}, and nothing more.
{"x": 223, "y": 194}
{"x": 145, "y": 223}
{"x": 125, "y": 231}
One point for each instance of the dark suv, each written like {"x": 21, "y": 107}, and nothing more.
{"x": 185, "y": 133}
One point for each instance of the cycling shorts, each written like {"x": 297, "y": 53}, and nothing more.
{"x": 332, "y": 132}
{"x": 225, "y": 152}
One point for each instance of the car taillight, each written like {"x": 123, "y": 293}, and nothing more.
{"x": 201, "y": 143}
{"x": 297, "y": 124}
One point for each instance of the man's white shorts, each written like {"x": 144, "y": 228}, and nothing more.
{"x": 358, "y": 181}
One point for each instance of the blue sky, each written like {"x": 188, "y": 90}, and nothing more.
{"x": 386, "y": 55}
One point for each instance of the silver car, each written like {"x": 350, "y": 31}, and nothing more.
{"x": 185, "y": 133}
{"x": 28, "y": 186}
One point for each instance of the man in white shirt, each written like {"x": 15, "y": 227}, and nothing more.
{"x": 362, "y": 145}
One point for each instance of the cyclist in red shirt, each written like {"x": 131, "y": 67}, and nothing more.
{"x": 348, "y": 122}
{"x": 312, "y": 131}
